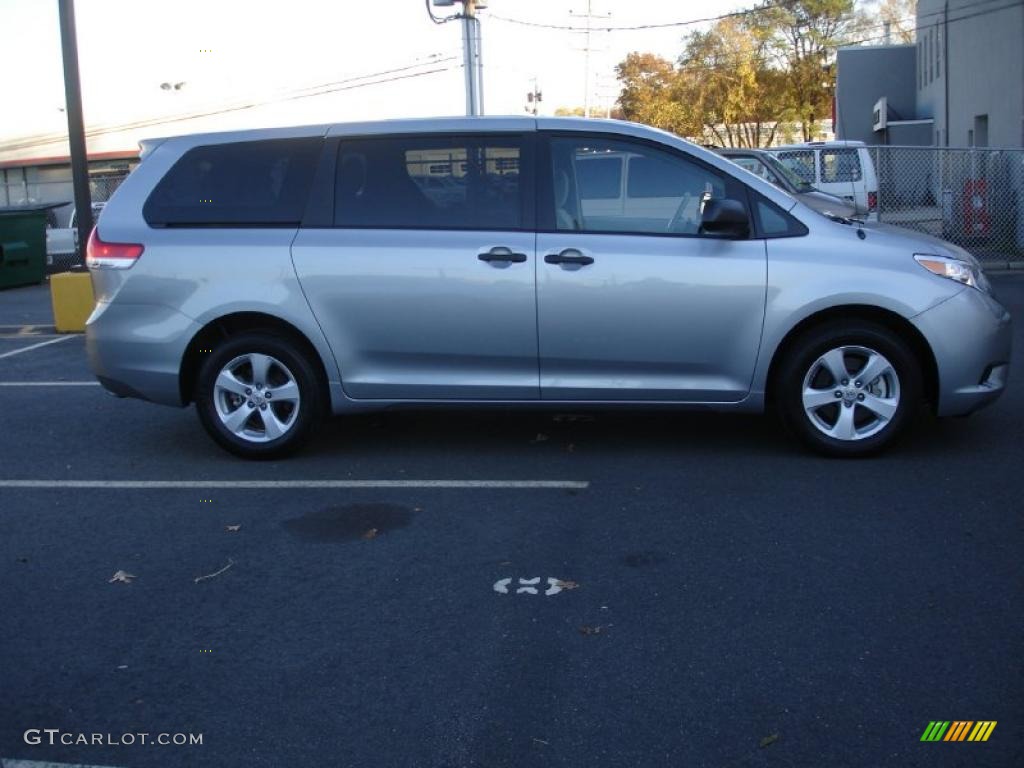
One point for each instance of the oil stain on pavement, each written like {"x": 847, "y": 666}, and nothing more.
{"x": 349, "y": 522}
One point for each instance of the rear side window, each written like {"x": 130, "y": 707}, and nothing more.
{"x": 801, "y": 162}
{"x": 242, "y": 184}
{"x": 425, "y": 182}
{"x": 840, "y": 165}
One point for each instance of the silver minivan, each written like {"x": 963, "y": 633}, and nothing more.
{"x": 274, "y": 276}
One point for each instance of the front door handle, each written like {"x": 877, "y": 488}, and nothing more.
{"x": 502, "y": 254}
{"x": 569, "y": 256}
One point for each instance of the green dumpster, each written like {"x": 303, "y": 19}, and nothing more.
{"x": 23, "y": 244}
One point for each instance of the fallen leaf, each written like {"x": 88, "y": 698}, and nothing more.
{"x": 233, "y": 528}
{"x": 122, "y": 576}
{"x": 584, "y": 630}
{"x": 540, "y": 438}
{"x": 767, "y": 740}
{"x": 370, "y": 534}
{"x": 566, "y": 584}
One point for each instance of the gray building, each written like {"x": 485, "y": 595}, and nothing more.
{"x": 965, "y": 74}
{"x": 876, "y": 96}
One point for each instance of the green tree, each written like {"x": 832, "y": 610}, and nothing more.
{"x": 802, "y": 37}
{"x": 726, "y": 73}
{"x": 653, "y": 93}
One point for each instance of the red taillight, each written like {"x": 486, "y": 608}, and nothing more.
{"x": 101, "y": 255}
{"x": 872, "y": 201}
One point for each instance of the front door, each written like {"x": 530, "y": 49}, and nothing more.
{"x": 425, "y": 286}
{"x": 634, "y": 303}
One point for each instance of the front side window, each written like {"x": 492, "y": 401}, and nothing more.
{"x": 663, "y": 193}
{"x": 430, "y": 183}
{"x": 756, "y": 167}
{"x": 840, "y": 165}
{"x": 242, "y": 184}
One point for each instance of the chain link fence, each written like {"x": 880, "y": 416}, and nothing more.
{"x": 61, "y": 253}
{"x": 972, "y": 197}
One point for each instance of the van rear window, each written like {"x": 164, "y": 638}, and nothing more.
{"x": 242, "y": 184}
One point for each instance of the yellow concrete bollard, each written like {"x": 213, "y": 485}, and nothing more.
{"x": 71, "y": 293}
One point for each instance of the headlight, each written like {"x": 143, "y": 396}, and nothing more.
{"x": 954, "y": 269}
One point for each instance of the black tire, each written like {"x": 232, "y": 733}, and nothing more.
{"x": 288, "y": 358}
{"x": 801, "y": 361}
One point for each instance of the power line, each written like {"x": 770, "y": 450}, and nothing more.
{"x": 733, "y": 14}
{"x": 631, "y": 28}
{"x": 317, "y": 90}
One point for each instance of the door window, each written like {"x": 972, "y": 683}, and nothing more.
{"x": 663, "y": 194}
{"x": 428, "y": 182}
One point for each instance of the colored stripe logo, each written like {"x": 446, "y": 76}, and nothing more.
{"x": 958, "y": 730}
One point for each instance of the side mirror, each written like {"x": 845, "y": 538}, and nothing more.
{"x": 725, "y": 217}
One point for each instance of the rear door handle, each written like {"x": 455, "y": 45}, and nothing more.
{"x": 569, "y": 256}
{"x": 502, "y": 254}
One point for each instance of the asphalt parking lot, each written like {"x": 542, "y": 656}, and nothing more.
{"x": 718, "y": 597}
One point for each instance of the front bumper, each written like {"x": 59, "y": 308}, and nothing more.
{"x": 136, "y": 350}
{"x": 970, "y": 337}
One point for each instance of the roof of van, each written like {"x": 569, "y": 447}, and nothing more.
{"x": 817, "y": 144}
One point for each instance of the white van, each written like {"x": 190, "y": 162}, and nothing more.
{"x": 841, "y": 168}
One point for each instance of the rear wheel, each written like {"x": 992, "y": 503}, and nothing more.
{"x": 257, "y": 395}
{"x": 849, "y": 388}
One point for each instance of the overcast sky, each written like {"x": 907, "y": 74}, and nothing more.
{"x": 228, "y": 50}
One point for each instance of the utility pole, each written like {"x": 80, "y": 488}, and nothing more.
{"x": 588, "y": 16}
{"x": 76, "y": 123}
{"x": 472, "y": 57}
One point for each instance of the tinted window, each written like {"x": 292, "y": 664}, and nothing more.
{"x": 775, "y": 222}
{"x": 430, "y": 183}
{"x": 801, "y": 162}
{"x": 600, "y": 178}
{"x": 245, "y": 184}
{"x": 664, "y": 192}
{"x": 840, "y": 165}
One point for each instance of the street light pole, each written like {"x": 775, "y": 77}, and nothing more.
{"x": 76, "y": 124}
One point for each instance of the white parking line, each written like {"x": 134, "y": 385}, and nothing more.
{"x": 49, "y": 383}
{"x": 34, "y": 346}
{"x": 300, "y": 484}
{"x": 8, "y": 763}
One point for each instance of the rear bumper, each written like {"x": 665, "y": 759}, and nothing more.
{"x": 136, "y": 350}
{"x": 970, "y": 337}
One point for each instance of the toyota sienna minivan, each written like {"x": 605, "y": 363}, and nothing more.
{"x": 273, "y": 277}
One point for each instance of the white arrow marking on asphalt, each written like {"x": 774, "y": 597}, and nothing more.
{"x": 528, "y": 590}
{"x": 501, "y": 586}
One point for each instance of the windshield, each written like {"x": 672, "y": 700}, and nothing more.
{"x": 779, "y": 167}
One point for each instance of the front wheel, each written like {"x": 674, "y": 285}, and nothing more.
{"x": 257, "y": 395}
{"x": 849, "y": 388}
